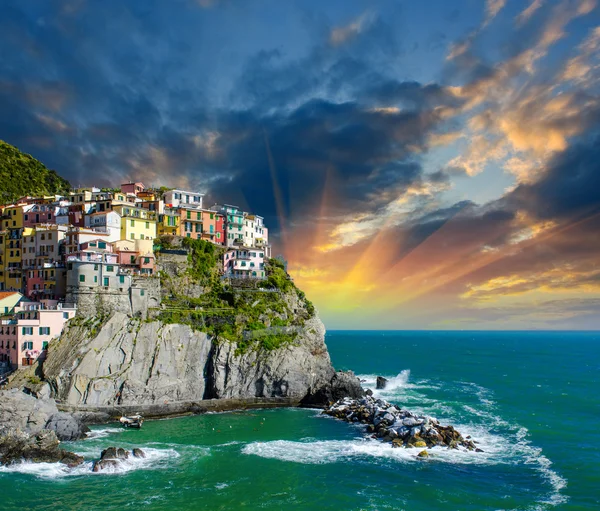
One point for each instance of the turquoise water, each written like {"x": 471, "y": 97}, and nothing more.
{"x": 530, "y": 399}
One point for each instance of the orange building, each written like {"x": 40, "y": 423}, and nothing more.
{"x": 198, "y": 224}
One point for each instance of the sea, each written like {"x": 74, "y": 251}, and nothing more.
{"x": 530, "y": 399}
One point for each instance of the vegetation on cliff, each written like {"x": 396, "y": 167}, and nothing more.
{"x": 21, "y": 175}
{"x": 262, "y": 314}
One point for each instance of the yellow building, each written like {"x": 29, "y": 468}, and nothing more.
{"x": 136, "y": 223}
{"x": 168, "y": 223}
{"x": 11, "y": 240}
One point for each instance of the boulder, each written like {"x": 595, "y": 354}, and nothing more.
{"x": 66, "y": 427}
{"x": 423, "y": 454}
{"x": 381, "y": 382}
{"x": 400, "y": 427}
{"x": 138, "y": 453}
{"x": 31, "y": 415}
{"x": 40, "y": 447}
{"x": 104, "y": 464}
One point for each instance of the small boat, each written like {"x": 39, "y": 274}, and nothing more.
{"x": 134, "y": 421}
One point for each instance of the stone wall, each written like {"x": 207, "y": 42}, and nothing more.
{"x": 143, "y": 294}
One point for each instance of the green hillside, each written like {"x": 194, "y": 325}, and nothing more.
{"x": 21, "y": 174}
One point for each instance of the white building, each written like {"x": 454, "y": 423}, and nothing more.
{"x": 183, "y": 199}
{"x": 108, "y": 222}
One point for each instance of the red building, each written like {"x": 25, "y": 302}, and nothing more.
{"x": 219, "y": 238}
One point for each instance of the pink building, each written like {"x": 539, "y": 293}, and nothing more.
{"x": 244, "y": 262}
{"x": 25, "y": 335}
{"x": 134, "y": 188}
{"x": 39, "y": 214}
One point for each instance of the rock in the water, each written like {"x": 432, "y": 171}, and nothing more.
{"x": 381, "y": 383}
{"x": 342, "y": 385}
{"x": 423, "y": 454}
{"x": 104, "y": 464}
{"x": 40, "y": 447}
{"x": 138, "y": 453}
{"x": 400, "y": 427}
{"x": 114, "y": 453}
{"x": 66, "y": 427}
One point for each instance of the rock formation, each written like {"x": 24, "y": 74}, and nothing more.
{"x": 400, "y": 427}
{"x": 112, "y": 457}
{"x": 138, "y": 363}
{"x": 40, "y": 447}
{"x": 29, "y": 415}
{"x": 380, "y": 383}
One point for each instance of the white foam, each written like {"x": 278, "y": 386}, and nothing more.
{"x": 103, "y": 433}
{"x": 155, "y": 459}
{"x": 332, "y": 451}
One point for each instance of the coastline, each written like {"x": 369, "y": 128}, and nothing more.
{"x": 103, "y": 414}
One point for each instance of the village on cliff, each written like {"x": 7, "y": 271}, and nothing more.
{"x": 55, "y": 250}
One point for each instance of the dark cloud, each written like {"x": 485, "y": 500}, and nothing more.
{"x": 569, "y": 188}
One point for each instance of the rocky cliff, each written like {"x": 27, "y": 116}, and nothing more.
{"x": 126, "y": 361}
{"x": 255, "y": 346}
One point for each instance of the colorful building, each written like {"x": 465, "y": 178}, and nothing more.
{"x": 244, "y": 262}
{"x": 183, "y": 199}
{"x": 11, "y": 239}
{"x": 136, "y": 223}
{"x": 8, "y": 301}
{"x": 219, "y": 229}
{"x": 33, "y": 325}
{"x": 234, "y": 223}
{"x": 133, "y": 188}
{"x": 108, "y": 222}
{"x": 169, "y": 222}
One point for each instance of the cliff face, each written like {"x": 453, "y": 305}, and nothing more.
{"x": 131, "y": 362}
{"x": 238, "y": 341}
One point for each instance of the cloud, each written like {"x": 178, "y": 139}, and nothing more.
{"x": 341, "y": 35}
{"x": 526, "y": 15}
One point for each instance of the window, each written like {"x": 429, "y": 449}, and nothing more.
{"x": 189, "y": 235}
{"x": 122, "y": 279}
{"x": 212, "y": 229}
{"x": 27, "y": 330}
{"x": 198, "y": 227}
{"x": 142, "y": 292}
{"x": 44, "y": 330}
{"x": 189, "y": 215}
{"x": 146, "y": 260}
{"x": 132, "y": 236}
{"x": 132, "y": 223}
{"x": 28, "y": 345}
{"x": 106, "y": 281}
{"x": 65, "y": 315}
{"x": 110, "y": 268}
{"x": 95, "y": 279}
{"x": 212, "y": 215}
{"x": 147, "y": 225}
{"x": 102, "y": 244}
{"x": 243, "y": 263}
{"x": 81, "y": 278}
{"x": 44, "y": 345}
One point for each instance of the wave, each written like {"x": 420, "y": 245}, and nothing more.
{"x": 103, "y": 433}
{"x": 503, "y": 442}
{"x": 155, "y": 459}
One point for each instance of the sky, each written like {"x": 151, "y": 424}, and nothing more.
{"x": 421, "y": 165}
